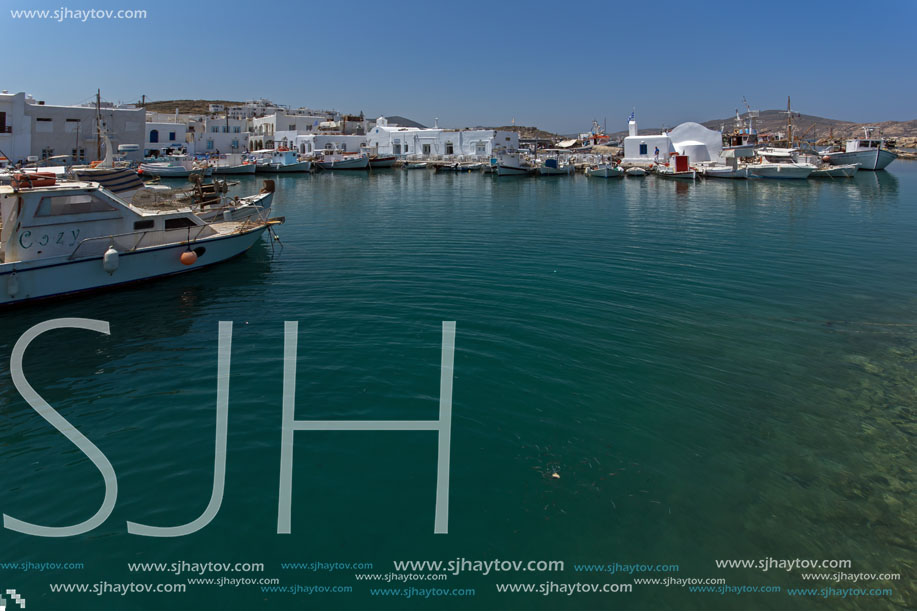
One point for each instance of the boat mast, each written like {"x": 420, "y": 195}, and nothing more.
{"x": 98, "y": 124}
{"x": 789, "y": 124}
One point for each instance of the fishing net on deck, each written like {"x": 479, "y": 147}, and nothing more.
{"x": 198, "y": 193}
{"x": 158, "y": 198}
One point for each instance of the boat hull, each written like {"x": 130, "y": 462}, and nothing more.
{"x": 382, "y": 162}
{"x": 289, "y": 168}
{"x": 734, "y": 174}
{"x": 563, "y": 171}
{"x": 26, "y": 281}
{"x": 877, "y": 159}
{"x": 359, "y": 163}
{"x": 508, "y": 170}
{"x": 781, "y": 171}
{"x": 245, "y": 168}
{"x": 835, "y": 171}
{"x": 615, "y": 172}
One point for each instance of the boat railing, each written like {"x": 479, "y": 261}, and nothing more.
{"x": 117, "y": 239}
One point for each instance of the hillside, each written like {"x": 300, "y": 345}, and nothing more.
{"x": 527, "y": 132}
{"x": 190, "y": 107}
{"x": 808, "y": 126}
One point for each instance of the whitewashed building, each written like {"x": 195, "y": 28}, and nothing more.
{"x": 691, "y": 139}
{"x": 647, "y": 149}
{"x": 222, "y": 134}
{"x": 33, "y": 128}
{"x": 269, "y": 131}
{"x": 431, "y": 142}
{"x": 15, "y": 128}
{"x": 308, "y": 144}
{"x": 255, "y": 108}
{"x": 697, "y": 142}
{"x": 164, "y": 135}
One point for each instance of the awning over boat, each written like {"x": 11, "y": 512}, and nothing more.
{"x": 565, "y": 144}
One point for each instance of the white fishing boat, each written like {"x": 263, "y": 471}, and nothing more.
{"x": 232, "y": 164}
{"x": 554, "y": 167}
{"x": 336, "y": 160}
{"x": 677, "y": 167}
{"x": 723, "y": 171}
{"x": 60, "y": 238}
{"x": 512, "y": 164}
{"x": 823, "y": 169}
{"x": 415, "y": 165}
{"x": 605, "y": 170}
{"x": 178, "y": 166}
{"x": 780, "y": 163}
{"x": 870, "y": 153}
{"x": 731, "y": 164}
{"x": 280, "y": 161}
{"x": 635, "y": 171}
{"x": 835, "y": 171}
{"x": 459, "y": 167}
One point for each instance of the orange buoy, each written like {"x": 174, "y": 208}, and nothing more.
{"x": 188, "y": 257}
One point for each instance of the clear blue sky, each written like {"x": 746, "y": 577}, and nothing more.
{"x": 556, "y": 64}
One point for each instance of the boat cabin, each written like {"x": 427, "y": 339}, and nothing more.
{"x": 78, "y": 219}
{"x": 854, "y": 146}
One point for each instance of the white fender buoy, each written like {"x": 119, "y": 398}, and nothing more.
{"x": 110, "y": 260}
{"x": 12, "y": 285}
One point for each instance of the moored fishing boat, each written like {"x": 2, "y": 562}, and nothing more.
{"x": 605, "y": 170}
{"x": 729, "y": 166}
{"x": 723, "y": 171}
{"x": 554, "y": 167}
{"x": 382, "y": 161}
{"x": 234, "y": 163}
{"x": 870, "y": 153}
{"x": 512, "y": 164}
{"x": 70, "y": 237}
{"x": 415, "y": 165}
{"x": 780, "y": 163}
{"x": 835, "y": 171}
{"x": 457, "y": 167}
{"x": 178, "y": 166}
{"x": 677, "y": 168}
{"x": 635, "y": 171}
{"x": 343, "y": 161}
{"x": 283, "y": 161}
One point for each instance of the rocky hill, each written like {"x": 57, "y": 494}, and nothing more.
{"x": 526, "y": 132}
{"x": 806, "y": 126}
{"x": 811, "y": 126}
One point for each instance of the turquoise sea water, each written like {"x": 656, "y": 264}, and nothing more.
{"x": 719, "y": 370}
